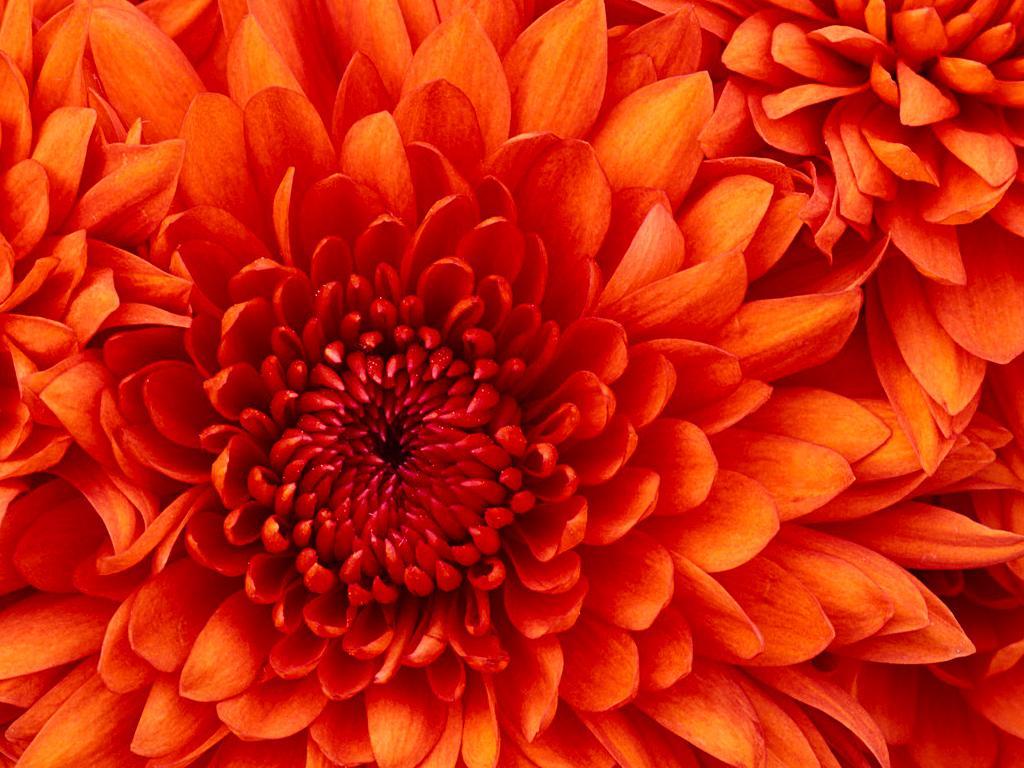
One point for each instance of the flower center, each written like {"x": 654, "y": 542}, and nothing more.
{"x": 394, "y": 458}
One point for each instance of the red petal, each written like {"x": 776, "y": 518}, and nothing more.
{"x": 709, "y": 709}
{"x": 460, "y": 52}
{"x": 776, "y": 337}
{"x": 131, "y": 55}
{"x": 649, "y": 139}
{"x": 602, "y": 666}
{"x": 735, "y": 523}
{"x": 404, "y": 720}
{"x": 528, "y": 688}
{"x": 274, "y": 709}
{"x": 119, "y": 666}
{"x": 557, "y": 68}
{"x": 229, "y": 651}
{"x": 94, "y": 726}
{"x": 631, "y": 581}
{"x": 44, "y": 631}
{"x": 794, "y": 626}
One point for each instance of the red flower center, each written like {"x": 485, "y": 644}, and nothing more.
{"x": 392, "y": 457}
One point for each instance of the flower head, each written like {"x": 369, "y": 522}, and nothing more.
{"x": 428, "y": 396}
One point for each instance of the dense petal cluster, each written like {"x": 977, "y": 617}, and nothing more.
{"x": 516, "y": 383}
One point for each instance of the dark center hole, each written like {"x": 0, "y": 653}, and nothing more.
{"x": 388, "y": 445}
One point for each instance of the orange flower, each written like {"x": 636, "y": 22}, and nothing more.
{"x": 447, "y": 407}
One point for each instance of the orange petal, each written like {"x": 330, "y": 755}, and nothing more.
{"x": 692, "y": 302}
{"x": 978, "y": 143}
{"x": 481, "y": 739}
{"x": 633, "y": 739}
{"x": 131, "y": 54}
{"x": 821, "y": 417}
{"x": 24, "y": 205}
{"x": 528, "y": 689}
{"x": 631, "y": 581}
{"x": 373, "y": 155}
{"x": 933, "y": 249}
{"x": 61, "y": 149}
{"x": 378, "y": 32}
{"x": 911, "y": 404}
{"x": 274, "y": 709}
{"x": 922, "y": 102}
{"x": 169, "y": 611}
{"x": 942, "y": 639}
{"x": 254, "y": 64}
{"x": 92, "y": 726}
{"x": 169, "y": 723}
{"x": 361, "y": 92}
{"x": 126, "y": 205}
{"x": 794, "y": 626}
{"x": 986, "y": 316}
{"x": 709, "y": 709}
{"x": 557, "y": 68}
{"x": 215, "y": 170}
{"x": 282, "y": 129}
{"x": 44, "y": 631}
{"x": 14, "y": 115}
{"x": 666, "y": 650}
{"x": 724, "y": 217}
{"x": 229, "y": 651}
{"x": 565, "y": 198}
{"x": 342, "y": 734}
{"x": 776, "y": 337}
{"x": 924, "y": 536}
{"x": 777, "y": 463}
{"x": 735, "y": 523}
{"x": 602, "y": 666}
{"x": 404, "y": 720}
{"x": 657, "y": 250}
{"x": 460, "y": 52}
{"x": 119, "y": 666}
{"x": 681, "y": 455}
{"x": 949, "y": 374}
{"x": 650, "y": 138}
{"x": 617, "y": 505}
{"x": 720, "y": 627}
{"x": 819, "y": 693}
{"x": 440, "y": 114}
{"x": 855, "y": 605}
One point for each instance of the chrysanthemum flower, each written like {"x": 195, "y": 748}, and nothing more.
{"x": 422, "y": 416}
{"x": 914, "y": 111}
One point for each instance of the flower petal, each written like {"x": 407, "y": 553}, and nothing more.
{"x": 602, "y": 666}
{"x": 776, "y": 337}
{"x": 229, "y": 651}
{"x": 43, "y": 631}
{"x": 274, "y": 709}
{"x": 94, "y": 726}
{"x": 734, "y": 523}
{"x": 649, "y": 139}
{"x": 373, "y": 154}
{"x": 404, "y": 720}
{"x": 985, "y": 316}
{"x": 557, "y": 68}
{"x": 631, "y": 581}
{"x": 459, "y": 51}
{"x": 127, "y": 204}
{"x": 709, "y": 709}
{"x": 131, "y": 55}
